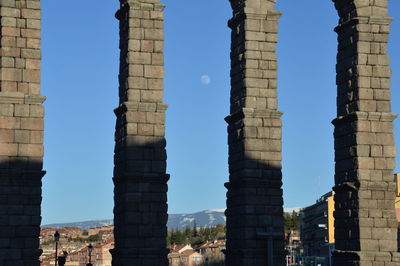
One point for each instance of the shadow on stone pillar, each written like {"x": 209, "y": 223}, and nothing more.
{"x": 254, "y": 214}
{"x": 20, "y": 199}
{"x": 140, "y": 178}
{"x": 21, "y": 133}
{"x": 365, "y": 220}
{"x": 140, "y": 211}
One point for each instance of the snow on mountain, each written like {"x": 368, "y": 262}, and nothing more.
{"x": 175, "y": 221}
{"x": 215, "y": 210}
{"x": 205, "y": 218}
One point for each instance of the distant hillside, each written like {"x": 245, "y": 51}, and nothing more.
{"x": 175, "y": 221}
{"x": 82, "y": 225}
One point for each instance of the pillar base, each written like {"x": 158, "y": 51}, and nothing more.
{"x": 251, "y": 257}
{"x": 20, "y": 263}
{"x": 20, "y": 218}
{"x": 365, "y": 258}
{"x": 139, "y": 256}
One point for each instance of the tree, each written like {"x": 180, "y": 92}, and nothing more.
{"x": 195, "y": 236}
{"x": 194, "y": 233}
{"x": 94, "y": 238}
{"x": 292, "y": 221}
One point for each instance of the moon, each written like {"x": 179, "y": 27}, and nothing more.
{"x": 205, "y": 79}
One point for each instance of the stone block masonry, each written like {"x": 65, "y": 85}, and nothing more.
{"x": 365, "y": 220}
{"x": 140, "y": 193}
{"x": 21, "y": 132}
{"x": 254, "y": 212}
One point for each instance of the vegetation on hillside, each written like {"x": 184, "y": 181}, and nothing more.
{"x": 90, "y": 239}
{"x": 196, "y": 236}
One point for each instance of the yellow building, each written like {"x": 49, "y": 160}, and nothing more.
{"x": 317, "y": 231}
{"x": 331, "y": 220}
{"x": 397, "y": 203}
{"x": 397, "y": 177}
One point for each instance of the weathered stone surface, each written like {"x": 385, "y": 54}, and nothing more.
{"x": 254, "y": 199}
{"x": 21, "y": 133}
{"x": 140, "y": 212}
{"x": 364, "y": 143}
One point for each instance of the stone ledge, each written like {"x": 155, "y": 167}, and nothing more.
{"x": 20, "y": 98}
{"x": 346, "y": 186}
{"x": 20, "y": 178}
{"x": 251, "y": 14}
{"x": 21, "y": 172}
{"x": 365, "y": 116}
{"x": 33, "y": 99}
{"x": 137, "y": 5}
{"x": 146, "y": 6}
{"x": 139, "y": 106}
{"x": 363, "y": 20}
{"x": 252, "y": 113}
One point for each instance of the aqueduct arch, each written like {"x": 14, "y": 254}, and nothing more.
{"x": 364, "y": 147}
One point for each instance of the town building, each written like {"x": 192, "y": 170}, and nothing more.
{"x": 100, "y": 256}
{"x": 293, "y": 247}
{"x": 317, "y": 231}
{"x": 212, "y": 251}
{"x": 191, "y": 257}
{"x": 397, "y": 205}
{"x": 74, "y": 241}
{"x": 184, "y": 255}
{"x": 180, "y": 248}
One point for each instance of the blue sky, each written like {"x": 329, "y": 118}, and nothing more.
{"x": 79, "y": 78}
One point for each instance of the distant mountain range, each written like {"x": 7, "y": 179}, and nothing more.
{"x": 205, "y": 218}
{"x": 209, "y": 218}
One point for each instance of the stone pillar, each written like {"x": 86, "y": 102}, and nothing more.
{"x": 365, "y": 220}
{"x": 254, "y": 212}
{"x": 140, "y": 194}
{"x": 21, "y": 133}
